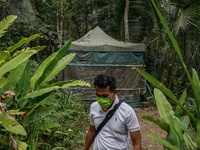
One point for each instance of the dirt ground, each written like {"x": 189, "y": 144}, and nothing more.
{"x": 147, "y": 127}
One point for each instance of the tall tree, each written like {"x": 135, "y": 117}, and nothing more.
{"x": 126, "y": 21}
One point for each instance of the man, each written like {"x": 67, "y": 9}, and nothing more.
{"x": 116, "y": 133}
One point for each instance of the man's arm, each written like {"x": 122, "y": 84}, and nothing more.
{"x": 90, "y": 137}
{"x": 136, "y": 140}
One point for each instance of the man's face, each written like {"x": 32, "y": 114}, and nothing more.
{"x": 105, "y": 92}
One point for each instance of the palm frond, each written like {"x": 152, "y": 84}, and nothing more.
{"x": 187, "y": 18}
{"x": 5, "y": 23}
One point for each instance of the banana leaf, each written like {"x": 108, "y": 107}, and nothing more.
{"x": 164, "y": 142}
{"x": 164, "y": 107}
{"x": 175, "y": 135}
{"x": 5, "y": 23}
{"x": 24, "y": 82}
{"x": 58, "y": 67}
{"x": 13, "y": 63}
{"x": 21, "y": 145}
{"x": 40, "y": 92}
{"x": 39, "y": 72}
{"x": 162, "y": 125}
{"x": 23, "y": 41}
{"x": 14, "y": 76}
{"x": 76, "y": 83}
{"x": 196, "y": 82}
{"x": 23, "y": 101}
{"x": 61, "y": 83}
{"x": 48, "y": 125}
{"x": 11, "y": 126}
{"x": 176, "y": 132}
{"x": 178, "y": 111}
{"x": 3, "y": 82}
{"x": 166, "y": 91}
{"x": 3, "y": 56}
{"x": 52, "y": 65}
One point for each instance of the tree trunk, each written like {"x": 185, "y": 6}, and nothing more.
{"x": 24, "y": 10}
{"x": 69, "y": 22}
{"x": 60, "y": 24}
{"x": 86, "y": 18}
{"x": 126, "y": 21}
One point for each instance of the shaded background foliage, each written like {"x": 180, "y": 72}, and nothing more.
{"x": 78, "y": 17}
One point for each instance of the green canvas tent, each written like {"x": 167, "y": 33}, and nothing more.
{"x": 97, "y": 52}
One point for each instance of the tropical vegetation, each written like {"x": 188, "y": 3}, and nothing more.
{"x": 182, "y": 134}
{"x": 28, "y": 84}
{"x": 24, "y": 92}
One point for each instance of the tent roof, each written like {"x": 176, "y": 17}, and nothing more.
{"x": 98, "y": 40}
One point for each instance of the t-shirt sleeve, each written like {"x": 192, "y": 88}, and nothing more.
{"x": 91, "y": 115}
{"x": 132, "y": 121}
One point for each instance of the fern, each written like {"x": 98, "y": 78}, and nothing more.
{"x": 6, "y": 23}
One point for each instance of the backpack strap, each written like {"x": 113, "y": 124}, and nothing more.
{"x": 108, "y": 116}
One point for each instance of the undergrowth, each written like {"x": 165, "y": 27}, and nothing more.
{"x": 73, "y": 116}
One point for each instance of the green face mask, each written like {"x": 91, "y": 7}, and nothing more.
{"x": 104, "y": 102}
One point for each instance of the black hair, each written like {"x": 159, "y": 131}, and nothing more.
{"x": 104, "y": 80}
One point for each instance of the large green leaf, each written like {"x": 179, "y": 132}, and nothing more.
{"x": 183, "y": 123}
{"x": 21, "y": 145}
{"x": 3, "y": 56}
{"x": 52, "y": 65}
{"x": 39, "y": 72}
{"x": 164, "y": 107}
{"x": 13, "y": 63}
{"x": 162, "y": 125}
{"x": 24, "y": 83}
{"x": 177, "y": 132}
{"x": 164, "y": 142}
{"x": 11, "y": 126}
{"x": 166, "y": 91}
{"x": 6, "y": 23}
{"x": 76, "y": 83}
{"x": 61, "y": 83}
{"x": 23, "y": 41}
{"x": 15, "y": 76}
{"x": 63, "y": 50}
{"x": 167, "y": 115}
{"x": 48, "y": 125}
{"x": 178, "y": 111}
{"x": 40, "y": 92}
{"x": 3, "y": 82}
{"x": 58, "y": 67}
{"x": 196, "y": 82}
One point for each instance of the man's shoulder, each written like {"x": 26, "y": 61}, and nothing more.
{"x": 126, "y": 107}
{"x": 94, "y": 105}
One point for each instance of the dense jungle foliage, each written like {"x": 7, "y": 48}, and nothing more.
{"x": 49, "y": 24}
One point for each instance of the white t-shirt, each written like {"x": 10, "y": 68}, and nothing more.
{"x": 115, "y": 134}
